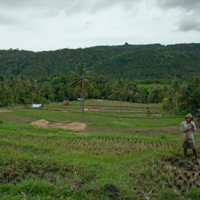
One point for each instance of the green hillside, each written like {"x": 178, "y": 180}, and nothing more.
{"x": 153, "y": 64}
{"x": 141, "y": 61}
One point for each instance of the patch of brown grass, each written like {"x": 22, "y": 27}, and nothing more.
{"x": 73, "y": 126}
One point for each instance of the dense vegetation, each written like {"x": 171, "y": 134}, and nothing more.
{"x": 126, "y": 61}
{"x": 177, "y": 95}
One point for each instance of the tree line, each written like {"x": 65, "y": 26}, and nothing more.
{"x": 177, "y": 95}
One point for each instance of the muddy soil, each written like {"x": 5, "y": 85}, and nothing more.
{"x": 111, "y": 190}
{"x": 185, "y": 172}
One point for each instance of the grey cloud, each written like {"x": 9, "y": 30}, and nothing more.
{"x": 186, "y": 4}
{"x": 67, "y": 5}
{"x": 190, "y": 13}
{"x": 6, "y": 19}
{"x": 189, "y": 24}
{"x": 41, "y": 9}
{"x": 88, "y": 25}
{"x": 29, "y": 11}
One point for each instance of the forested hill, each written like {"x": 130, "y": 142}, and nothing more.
{"x": 127, "y": 61}
{"x": 146, "y": 64}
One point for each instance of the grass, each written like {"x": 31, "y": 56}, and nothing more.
{"x": 116, "y": 157}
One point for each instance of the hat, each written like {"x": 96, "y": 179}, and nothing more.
{"x": 189, "y": 116}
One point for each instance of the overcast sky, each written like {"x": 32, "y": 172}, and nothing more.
{"x": 56, "y": 24}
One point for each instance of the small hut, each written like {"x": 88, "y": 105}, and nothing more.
{"x": 66, "y": 102}
{"x": 37, "y": 106}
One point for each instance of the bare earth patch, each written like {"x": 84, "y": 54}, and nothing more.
{"x": 2, "y": 110}
{"x": 41, "y": 123}
{"x": 73, "y": 126}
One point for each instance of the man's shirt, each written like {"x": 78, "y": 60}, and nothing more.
{"x": 184, "y": 127}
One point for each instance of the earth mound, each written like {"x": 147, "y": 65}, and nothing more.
{"x": 41, "y": 123}
{"x": 77, "y": 126}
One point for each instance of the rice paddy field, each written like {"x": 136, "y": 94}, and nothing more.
{"x": 56, "y": 153}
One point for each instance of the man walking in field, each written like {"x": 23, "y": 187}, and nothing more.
{"x": 189, "y": 125}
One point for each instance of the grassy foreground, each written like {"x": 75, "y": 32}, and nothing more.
{"x": 115, "y": 157}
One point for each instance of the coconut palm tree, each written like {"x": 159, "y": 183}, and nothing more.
{"x": 175, "y": 87}
{"x": 168, "y": 103}
{"x": 186, "y": 97}
{"x": 11, "y": 82}
{"x": 80, "y": 80}
{"x": 2, "y": 85}
{"x": 8, "y": 95}
{"x": 120, "y": 90}
{"x": 142, "y": 94}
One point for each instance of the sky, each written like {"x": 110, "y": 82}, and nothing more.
{"x": 39, "y": 25}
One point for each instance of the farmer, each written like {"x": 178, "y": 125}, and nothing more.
{"x": 189, "y": 125}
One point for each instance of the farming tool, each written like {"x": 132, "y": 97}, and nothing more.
{"x": 181, "y": 146}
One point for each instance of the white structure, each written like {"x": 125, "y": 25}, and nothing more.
{"x": 37, "y": 106}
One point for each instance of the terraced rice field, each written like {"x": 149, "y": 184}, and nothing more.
{"x": 111, "y": 157}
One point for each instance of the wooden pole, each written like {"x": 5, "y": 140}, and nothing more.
{"x": 120, "y": 105}
{"x": 181, "y": 145}
{"x": 83, "y": 94}
{"x": 80, "y": 103}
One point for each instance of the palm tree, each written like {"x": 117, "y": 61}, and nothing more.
{"x": 176, "y": 88}
{"x": 8, "y": 95}
{"x": 168, "y": 103}
{"x": 31, "y": 88}
{"x": 2, "y": 85}
{"x": 23, "y": 83}
{"x": 186, "y": 97}
{"x": 196, "y": 81}
{"x": 80, "y": 81}
{"x": 142, "y": 93}
{"x": 120, "y": 90}
{"x": 11, "y": 82}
